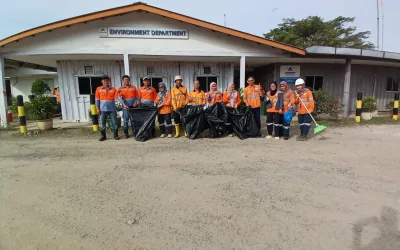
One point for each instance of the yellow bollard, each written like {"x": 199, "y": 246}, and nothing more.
{"x": 21, "y": 114}
{"x": 358, "y": 107}
{"x": 396, "y": 107}
{"x": 93, "y": 110}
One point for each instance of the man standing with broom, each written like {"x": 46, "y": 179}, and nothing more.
{"x": 305, "y": 102}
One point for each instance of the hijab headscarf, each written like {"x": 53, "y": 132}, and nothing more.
{"x": 232, "y": 95}
{"x": 162, "y": 94}
{"x": 288, "y": 91}
{"x": 212, "y": 94}
{"x": 273, "y": 92}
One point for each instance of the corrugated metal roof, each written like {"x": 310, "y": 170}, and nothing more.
{"x": 353, "y": 52}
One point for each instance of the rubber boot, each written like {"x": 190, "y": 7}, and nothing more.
{"x": 116, "y": 135}
{"x": 176, "y": 131}
{"x": 126, "y": 133}
{"x": 103, "y": 135}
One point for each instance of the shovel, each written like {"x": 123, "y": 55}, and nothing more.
{"x": 318, "y": 128}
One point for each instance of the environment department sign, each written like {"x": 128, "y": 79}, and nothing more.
{"x": 155, "y": 33}
{"x": 289, "y": 73}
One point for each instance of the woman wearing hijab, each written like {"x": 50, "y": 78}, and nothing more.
{"x": 163, "y": 101}
{"x": 274, "y": 103}
{"x": 213, "y": 96}
{"x": 288, "y": 101}
{"x": 231, "y": 97}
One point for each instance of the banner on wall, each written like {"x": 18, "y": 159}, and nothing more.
{"x": 135, "y": 32}
{"x": 289, "y": 73}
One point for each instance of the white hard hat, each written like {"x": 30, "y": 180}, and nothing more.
{"x": 299, "y": 82}
{"x": 178, "y": 77}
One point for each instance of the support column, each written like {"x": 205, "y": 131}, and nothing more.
{"x": 3, "y": 95}
{"x": 231, "y": 73}
{"x": 242, "y": 72}
{"x": 346, "y": 89}
{"x": 126, "y": 64}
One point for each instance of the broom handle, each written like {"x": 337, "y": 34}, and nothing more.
{"x": 297, "y": 94}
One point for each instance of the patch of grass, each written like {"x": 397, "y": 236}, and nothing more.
{"x": 351, "y": 122}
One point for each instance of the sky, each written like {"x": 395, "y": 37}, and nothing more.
{"x": 252, "y": 16}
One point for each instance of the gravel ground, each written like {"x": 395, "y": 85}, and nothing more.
{"x": 65, "y": 190}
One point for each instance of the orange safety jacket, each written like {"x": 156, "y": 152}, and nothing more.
{"x": 274, "y": 100}
{"x": 251, "y": 96}
{"x": 105, "y": 98}
{"x": 179, "y": 97}
{"x": 147, "y": 95}
{"x": 286, "y": 100}
{"x": 128, "y": 94}
{"x": 57, "y": 94}
{"x": 166, "y": 104}
{"x": 227, "y": 99}
{"x": 308, "y": 100}
{"x": 217, "y": 98}
{"x": 197, "y": 97}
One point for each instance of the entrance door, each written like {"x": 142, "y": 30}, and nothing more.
{"x": 205, "y": 82}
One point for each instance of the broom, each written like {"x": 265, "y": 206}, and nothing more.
{"x": 318, "y": 128}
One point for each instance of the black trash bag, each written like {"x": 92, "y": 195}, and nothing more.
{"x": 192, "y": 118}
{"x": 143, "y": 120}
{"x": 216, "y": 118}
{"x": 243, "y": 123}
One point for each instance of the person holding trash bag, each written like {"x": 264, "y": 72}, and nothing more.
{"x": 105, "y": 103}
{"x": 214, "y": 95}
{"x": 274, "y": 105}
{"x": 251, "y": 96}
{"x": 288, "y": 102}
{"x": 197, "y": 96}
{"x": 128, "y": 97}
{"x": 148, "y": 96}
{"x": 306, "y": 102}
{"x": 179, "y": 98}
{"x": 163, "y": 102}
{"x": 231, "y": 97}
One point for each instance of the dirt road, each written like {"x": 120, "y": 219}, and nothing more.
{"x": 77, "y": 193}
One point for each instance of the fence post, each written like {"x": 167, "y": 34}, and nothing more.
{"x": 358, "y": 107}
{"x": 396, "y": 107}
{"x": 93, "y": 110}
{"x": 21, "y": 114}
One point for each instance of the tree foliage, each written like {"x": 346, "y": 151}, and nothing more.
{"x": 314, "y": 31}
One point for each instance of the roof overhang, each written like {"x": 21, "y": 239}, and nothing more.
{"x": 19, "y": 64}
{"x": 151, "y": 9}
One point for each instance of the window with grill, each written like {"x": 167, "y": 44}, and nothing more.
{"x": 150, "y": 71}
{"x": 314, "y": 82}
{"x": 392, "y": 84}
{"x": 88, "y": 70}
{"x": 207, "y": 70}
{"x": 88, "y": 85}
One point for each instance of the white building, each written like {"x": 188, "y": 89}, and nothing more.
{"x": 138, "y": 40}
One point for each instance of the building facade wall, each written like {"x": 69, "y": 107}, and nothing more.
{"x": 22, "y": 85}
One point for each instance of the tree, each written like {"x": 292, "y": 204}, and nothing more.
{"x": 314, "y": 31}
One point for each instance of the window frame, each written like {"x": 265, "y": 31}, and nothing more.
{"x": 208, "y": 84}
{"x": 164, "y": 79}
{"x": 393, "y": 82}
{"x": 314, "y": 76}
{"x": 86, "y": 76}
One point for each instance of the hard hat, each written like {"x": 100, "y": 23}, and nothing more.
{"x": 299, "y": 82}
{"x": 178, "y": 77}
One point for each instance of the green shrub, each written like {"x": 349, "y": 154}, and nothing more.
{"x": 42, "y": 108}
{"x": 326, "y": 104}
{"x": 389, "y": 106}
{"x": 369, "y": 104}
{"x": 40, "y": 88}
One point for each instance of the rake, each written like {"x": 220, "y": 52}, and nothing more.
{"x": 318, "y": 128}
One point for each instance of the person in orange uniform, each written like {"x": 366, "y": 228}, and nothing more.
{"x": 148, "y": 96}
{"x": 307, "y": 100}
{"x": 214, "y": 95}
{"x": 288, "y": 102}
{"x": 163, "y": 102}
{"x": 129, "y": 97}
{"x": 179, "y": 96}
{"x": 56, "y": 92}
{"x": 231, "y": 97}
{"x": 197, "y": 96}
{"x": 105, "y": 102}
{"x": 274, "y": 101}
{"x": 251, "y": 96}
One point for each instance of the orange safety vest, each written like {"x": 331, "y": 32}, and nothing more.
{"x": 227, "y": 98}
{"x": 147, "y": 94}
{"x": 308, "y": 100}
{"x": 128, "y": 93}
{"x": 106, "y": 95}
{"x": 166, "y": 104}
{"x": 290, "y": 99}
{"x": 217, "y": 98}
{"x": 251, "y": 96}
{"x": 274, "y": 100}
{"x": 179, "y": 97}
{"x": 197, "y": 97}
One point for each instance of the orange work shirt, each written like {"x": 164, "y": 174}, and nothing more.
{"x": 308, "y": 100}
{"x": 166, "y": 104}
{"x": 129, "y": 94}
{"x": 228, "y": 96}
{"x": 105, "y": 98}
{"x": 147, "y": 94}
{"x": 274, "y": 100}
{"x": 251, "y": 96}
{"x": 179, "y": 97}
{"x": 214, "y": 98}
{"x": 286, "y": 100}
{"x": 197, "y": 97}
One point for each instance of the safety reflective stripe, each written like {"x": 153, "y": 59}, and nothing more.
{"x": 146, "y": 90}
{"x": 147, "y": 100}
{"x": 269, "y": 124}
{"x": 129, "y": 99}
{"x": 162, "y": 125}
{"x": 286, "y": 127}
{"x": 307, "y": 124}
{"x": 106, "y": 101}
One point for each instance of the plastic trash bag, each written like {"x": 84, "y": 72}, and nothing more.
{"x": 143, "y": 120}
{"x": 288, "y": 116}
{"x": 192, "y": 118}
{"x": 216, "y": 118}
{"x": 243, "y": 123}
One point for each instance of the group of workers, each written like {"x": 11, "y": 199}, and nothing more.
{"x": 278, "y": 101}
